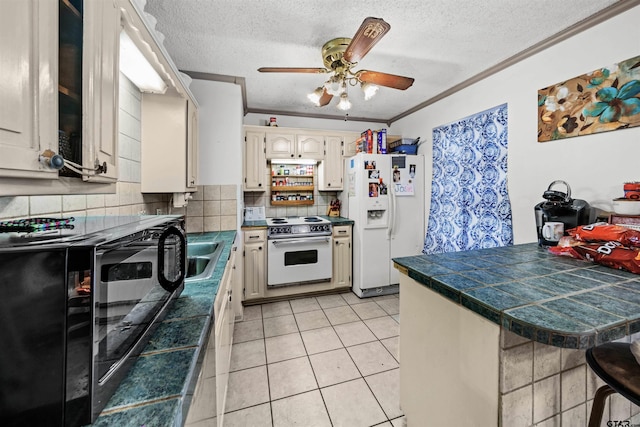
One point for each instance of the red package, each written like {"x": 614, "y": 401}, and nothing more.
{"x": 603, "y": 232}
{"x": 610, "y": 254}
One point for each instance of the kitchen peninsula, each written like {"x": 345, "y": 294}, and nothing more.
{"x": 497, "y": 336}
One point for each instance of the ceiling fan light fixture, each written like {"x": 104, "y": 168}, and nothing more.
{"x": 316, "y": 95}
{"x": 369, "y": 90}
{"x": 344, "y": 103}
{"x": 334, "y": 85}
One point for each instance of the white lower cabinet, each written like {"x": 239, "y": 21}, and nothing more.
{"x": 255, "y": 263}
{"x": 209, "y": 399}
{"x": 224, "y": 320}
{"x": 341, "y": 256}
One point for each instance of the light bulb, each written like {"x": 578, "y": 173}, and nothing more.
{"x": 334, "y": 86}
{"x": 315, "y": 96}
{"x": 369, "y": 90}
{"x": 344, "y": 103}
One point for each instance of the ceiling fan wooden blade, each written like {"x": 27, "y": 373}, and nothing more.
{"x": 292, "y": 70}
{"x": 369, "y": 33}
{"x": 384, "y": 79}
{"x": 325, "y": 98}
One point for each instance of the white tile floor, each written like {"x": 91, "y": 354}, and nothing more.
{"x": 323, "y": 361}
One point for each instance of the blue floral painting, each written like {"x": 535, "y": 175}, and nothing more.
{"x": 470, "y": 206}
{"x": 603, "y": 100}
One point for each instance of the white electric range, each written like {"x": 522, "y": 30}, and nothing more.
{"x": 299, "y": 250}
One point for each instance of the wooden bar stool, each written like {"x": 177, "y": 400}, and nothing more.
{"x": 615, "y": 364}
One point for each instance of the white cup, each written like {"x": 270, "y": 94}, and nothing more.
{"x": 553, "y": 231}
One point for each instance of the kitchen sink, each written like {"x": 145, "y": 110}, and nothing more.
{"x": 202, "y": 258}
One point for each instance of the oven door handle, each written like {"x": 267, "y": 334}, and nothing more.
{"x": 300, "y": 240}
{"x": 166, "y": 283}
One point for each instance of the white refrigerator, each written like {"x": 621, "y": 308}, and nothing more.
{"x": 384, "y": 196}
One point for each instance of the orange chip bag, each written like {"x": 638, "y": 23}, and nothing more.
{"x": 610, "y": 254}
{"x": 604, "y": 232}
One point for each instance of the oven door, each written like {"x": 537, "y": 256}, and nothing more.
{"x": 135, "y": 278}
{"x": 299, "y": 259}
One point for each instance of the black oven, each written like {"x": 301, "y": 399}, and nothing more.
{"x": 80, "y": 300}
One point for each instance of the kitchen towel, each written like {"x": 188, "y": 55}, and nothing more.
{"x": 470, "y": 206}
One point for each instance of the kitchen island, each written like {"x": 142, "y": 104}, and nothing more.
{"x": 159, "y": 387}
{"x": 497, "y": 336}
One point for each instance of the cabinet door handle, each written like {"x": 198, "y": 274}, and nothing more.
{"x": 260, "y": 185}
{"x": 254, "y": 237}
{"x": 328, "y": 184}
{"x": 292, "y": 155}
{"x": 259, "y": 248}
{"x": 342, "y": 231}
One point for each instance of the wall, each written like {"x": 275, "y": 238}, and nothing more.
{"x": 215, "y": 206}
{"x": 595, "y": 166}
{"x": 126, "y": 201}
{"x": 220, "y": 126}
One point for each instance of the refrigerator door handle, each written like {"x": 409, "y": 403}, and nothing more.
{"x": 392, "y": 213}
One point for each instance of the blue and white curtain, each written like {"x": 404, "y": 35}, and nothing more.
{"x": 470, "y": 206}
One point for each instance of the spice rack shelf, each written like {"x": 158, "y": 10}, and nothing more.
{"x": 291, "y": 202}
{"x": 292, "y": 185}
{"x": 290, "y": 188}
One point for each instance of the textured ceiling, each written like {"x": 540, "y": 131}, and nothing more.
{"x": 440, "y": 43}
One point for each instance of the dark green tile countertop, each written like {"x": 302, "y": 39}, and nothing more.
{"x": 551, "y": 299}
{"x": 158, "y": 389}
{"x": 335, "y": 220}
{"x": 261, "y": 223}
{"x": 338, "y": 220}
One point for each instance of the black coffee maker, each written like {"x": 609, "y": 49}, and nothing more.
{"x": 560, "y": 207}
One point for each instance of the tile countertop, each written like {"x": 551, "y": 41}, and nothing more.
{"x": 335, "y": 220}
{"x": 551, "y": 299}
{"x": 158, "y": 389}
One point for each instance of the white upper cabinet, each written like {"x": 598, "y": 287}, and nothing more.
{"x": 330, "y": 170}
{"x": 280, "y": 145}
{"x": 100, "y": 88}
{"x": 255, "y": 162}
{"x": 167, "y": 145}
{"x": 59, "y": 95}
{"x": 28, "y": 88}
{"x": 310, "y": 147}
{"x": 286, "y": 145}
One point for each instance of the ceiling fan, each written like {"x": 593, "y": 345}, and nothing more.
{"x": 342, "y": 54}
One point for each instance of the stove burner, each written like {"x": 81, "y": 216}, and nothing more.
{"x": 279, "y": 221}
{"x": 312, "y": 219}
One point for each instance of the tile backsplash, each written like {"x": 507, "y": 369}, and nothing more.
{"x": 212, "y": 208}
{"x": 128, "y": 200}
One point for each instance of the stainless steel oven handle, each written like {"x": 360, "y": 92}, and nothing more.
{"x": 300, "y": 240}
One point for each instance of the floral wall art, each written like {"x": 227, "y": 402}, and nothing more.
{"x": 602, "y": 100}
